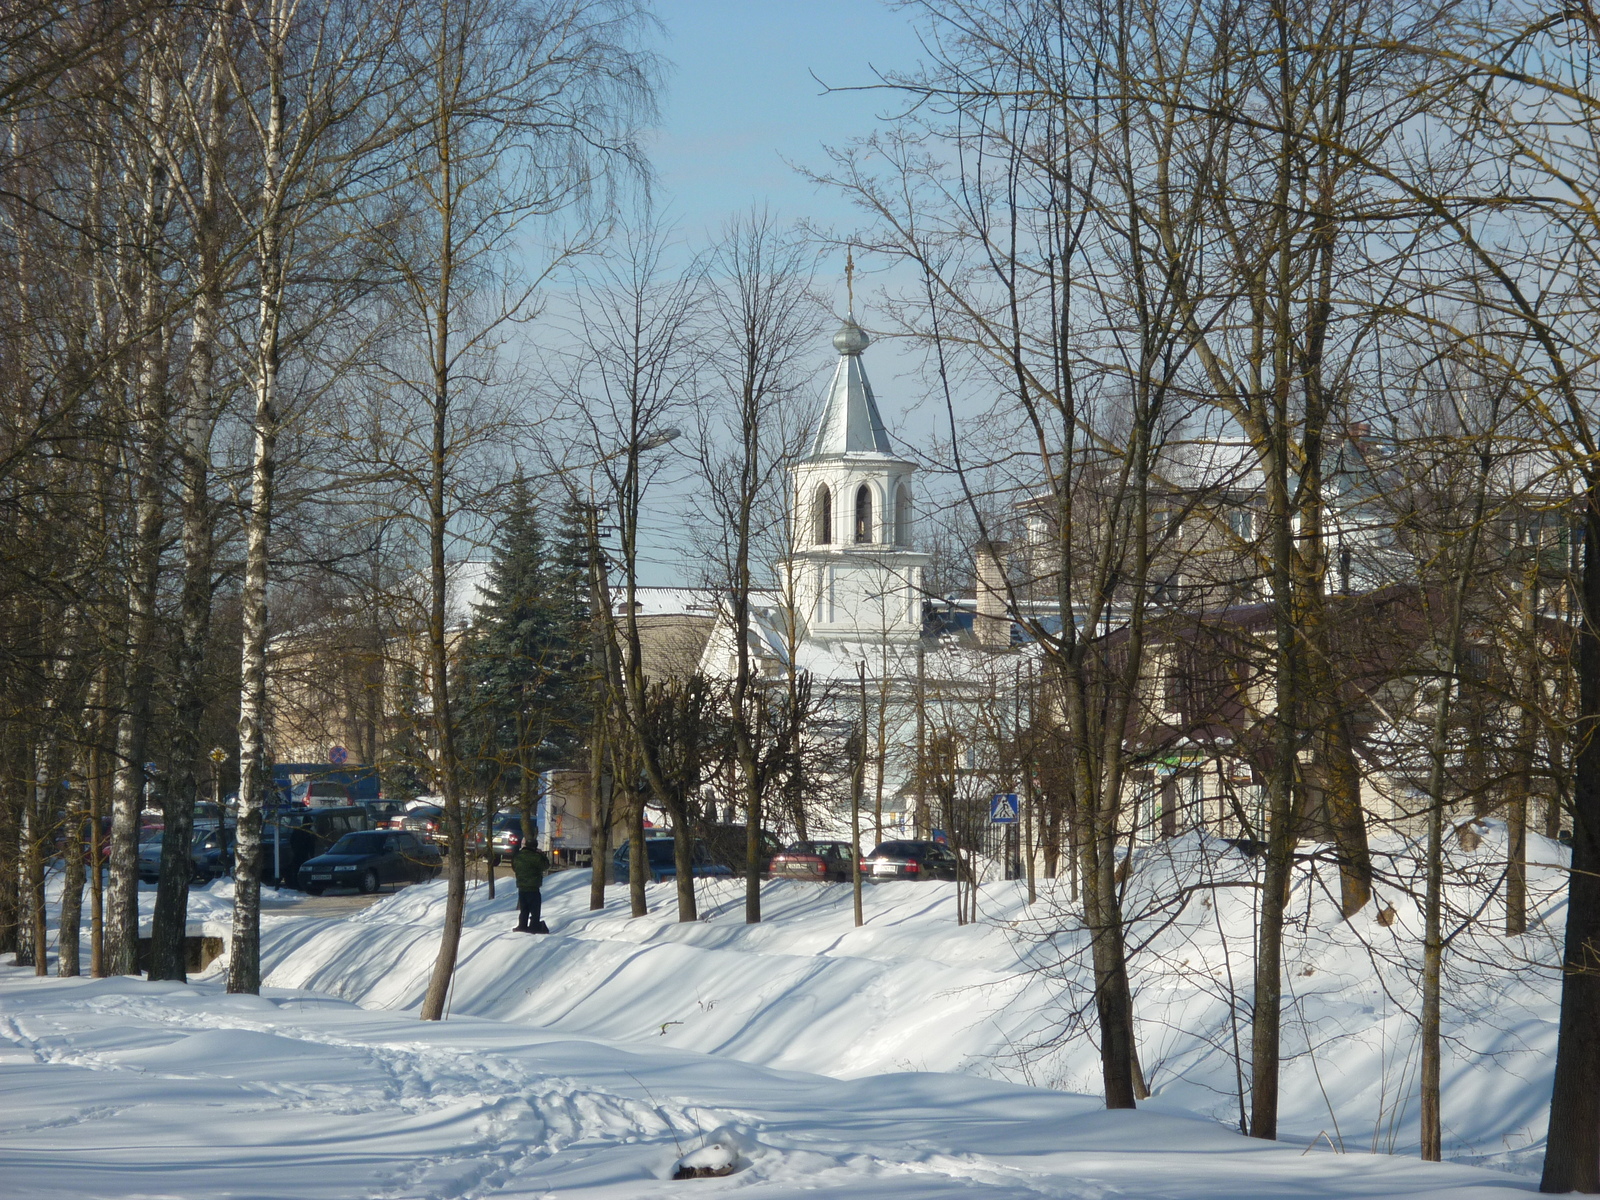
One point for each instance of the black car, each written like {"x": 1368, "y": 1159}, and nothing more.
{"x": 910, "y": 860}
{"x": 816, "y": 862}
{"x": 381, "y": 812}
{"x": 368, "y": 860}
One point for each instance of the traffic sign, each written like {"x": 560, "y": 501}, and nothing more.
{"x": 219, "y": 755}
{"x": 338, "y": 755}
{"x": 1003, "y": 809}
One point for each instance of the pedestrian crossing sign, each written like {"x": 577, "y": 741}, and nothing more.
{"x": 1003, "y": 809}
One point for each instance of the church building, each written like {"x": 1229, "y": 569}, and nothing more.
{"x": 849, "y": 600}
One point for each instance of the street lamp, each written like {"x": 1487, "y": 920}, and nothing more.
{"x": 653, "y": 440}
{"x": 660, "y": 438}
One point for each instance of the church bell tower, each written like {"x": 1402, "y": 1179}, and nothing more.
{"x": 857, "y": 575}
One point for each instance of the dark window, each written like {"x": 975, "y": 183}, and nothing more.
{"x": 902, "y": 515}
{"x": 902, "y": 849}
{"x": 863, "y": 513}
{"x": 359, "y": 843}
{"x": 824, "y": 530}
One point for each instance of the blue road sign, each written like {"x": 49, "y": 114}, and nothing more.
{"x": 1003, "y": 809}
{"x": 338, "y": 756}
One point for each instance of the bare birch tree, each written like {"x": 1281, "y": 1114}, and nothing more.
{"x": 317, "y": 100}
{"x": 764, "y": 320}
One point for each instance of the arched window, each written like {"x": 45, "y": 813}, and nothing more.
{"x": 902, "y": 515}
{"x": 824, "y": 514}
{"x": 864, "y": 513}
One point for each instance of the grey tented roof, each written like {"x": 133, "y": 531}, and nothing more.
{"x": 850, "y": 420}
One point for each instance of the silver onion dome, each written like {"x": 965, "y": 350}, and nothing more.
{"x": 851, "y": 338}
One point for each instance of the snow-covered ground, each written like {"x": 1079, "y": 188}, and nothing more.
{"x": 118, "y": 1088}
{"x": 895, "y": 1058}
{"x": 1005, "y": 998}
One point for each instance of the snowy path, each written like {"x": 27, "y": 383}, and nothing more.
{"x": 119, "y": 1088}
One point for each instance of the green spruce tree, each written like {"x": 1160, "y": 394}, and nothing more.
{"x": 523, "y": 703}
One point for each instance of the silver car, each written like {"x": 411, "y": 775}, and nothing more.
{"x": 505, "y": 838}
{"x": 209, "y": 854}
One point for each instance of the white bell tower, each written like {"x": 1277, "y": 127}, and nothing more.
{"x": 856, "y": 573}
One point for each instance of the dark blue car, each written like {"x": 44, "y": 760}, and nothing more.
{"x": 660, "y": 855}
{"x": 366, "y": 861}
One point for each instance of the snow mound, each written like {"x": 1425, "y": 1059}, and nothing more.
{"x": 1008, "y": 997}
{"x": 724, "y": 1152}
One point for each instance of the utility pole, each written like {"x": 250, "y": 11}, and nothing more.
{"x": 1029, "y": 829}
{"x": 857, "y": 785}
{"x": 923, "y": 824}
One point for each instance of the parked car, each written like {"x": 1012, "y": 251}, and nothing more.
{"x": 814, "y": 861}
{"x": 320, "y": 793}
{"x": 381, "y": 812}
{"x": 660, "y": 857}
{"x": 368, "y": 860}
{"x": 150, "y": 857}
{"x": 210, "y": 854}
{"x": 295, "y": 835}
{"x": 910, "y": 860}
{"x": 727, "y": 845}
{"x": 505, "y": 837}
{"x": 425, "y": 822}
{"x": 86, "y": 845}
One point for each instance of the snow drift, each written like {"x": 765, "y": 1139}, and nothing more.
{"x": 1005, "y": 998}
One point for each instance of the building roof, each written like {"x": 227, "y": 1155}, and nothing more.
{"x": 666, "y": 601}
{"x": 851, "y": 423}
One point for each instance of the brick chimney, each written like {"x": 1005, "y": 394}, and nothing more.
{"x": 992, "y": 625}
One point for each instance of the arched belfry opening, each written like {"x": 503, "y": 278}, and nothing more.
{"x": 902, "y": 515}
{"x": 863, "y": 513}
{"x": 823, "y": 509}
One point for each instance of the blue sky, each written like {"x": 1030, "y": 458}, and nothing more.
{"x": 746, "y": 96}
{"x": 741, "y": 101}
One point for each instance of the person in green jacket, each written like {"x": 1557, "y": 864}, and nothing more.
{"x": 529, "y": 864}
